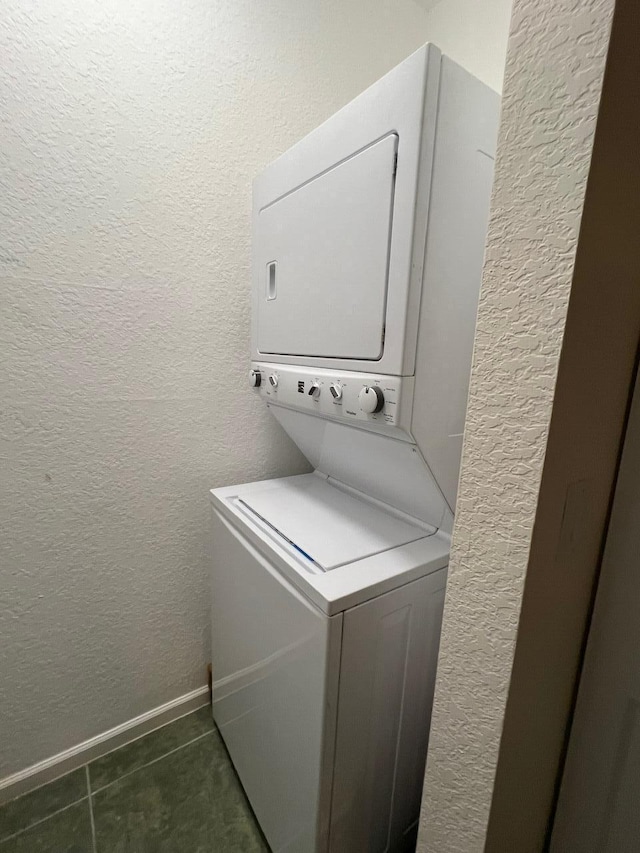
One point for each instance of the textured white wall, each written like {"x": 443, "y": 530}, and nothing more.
{"x": 130, "y": 134}
{"x": 552, "y": 89}
{"x": 474, "y": 33}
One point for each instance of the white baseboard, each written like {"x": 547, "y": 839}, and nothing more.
{"x": 64, "y": 762}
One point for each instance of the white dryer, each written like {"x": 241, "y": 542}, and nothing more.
{"x": 327, "y": 589}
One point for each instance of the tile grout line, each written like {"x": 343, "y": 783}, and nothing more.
{"x": 93, "y": 823}
{"x": 89, "y": 795}
{"x": 41, "y": 820}
{"x": 154, "y": 761}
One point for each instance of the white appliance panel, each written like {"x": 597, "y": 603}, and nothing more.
{"x": 387, "y": 679}
{"x": 311, "y": 391}
{"x": 465, "y": 145}
{"x": 393, "y": 472}
{"x": 330, "y": 526}
{"x": 275, "y": 672}
{"x": 323, "y": 254}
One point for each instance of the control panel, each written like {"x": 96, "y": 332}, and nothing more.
{"x": 374, "y": 401}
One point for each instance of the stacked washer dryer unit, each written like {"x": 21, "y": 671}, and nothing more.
{"x": 328, "y": 587}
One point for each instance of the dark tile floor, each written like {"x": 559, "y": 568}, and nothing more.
{"x": 172, "y": 791}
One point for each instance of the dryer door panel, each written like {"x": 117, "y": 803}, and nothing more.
{"x": 322, "y": 252}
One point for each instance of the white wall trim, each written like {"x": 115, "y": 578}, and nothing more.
{"x": 76, "y": 756}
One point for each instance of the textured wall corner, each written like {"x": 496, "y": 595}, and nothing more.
{"x": 552, "y": 88}
{"x": 130, "y": 135}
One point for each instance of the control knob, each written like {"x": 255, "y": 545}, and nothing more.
{"x": 273, "y": 381}
{"x": 314, "y": 390}
{"x": 335, "y": 389}
{"x": 371, "y": 399}
{"x": 255, "y": 378}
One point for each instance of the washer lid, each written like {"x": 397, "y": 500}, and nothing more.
{"x": 328, "y": 525}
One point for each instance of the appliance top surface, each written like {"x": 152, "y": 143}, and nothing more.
{"x": 325, "y": 523}
{"x": 366, "y": 550}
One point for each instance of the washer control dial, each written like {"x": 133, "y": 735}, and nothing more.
{"x": 314, "y": 390}
{"x": 371, "y": 399}
{"x": 335, "y": 389}
{"x": 273, "y": 381}
{"x": 255, "y": 378}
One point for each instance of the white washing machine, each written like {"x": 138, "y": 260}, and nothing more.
{"x": 327, "y": 588}
{"x": 327, "y": 618}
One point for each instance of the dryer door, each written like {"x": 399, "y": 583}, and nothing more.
{"x": 322, "y": 255}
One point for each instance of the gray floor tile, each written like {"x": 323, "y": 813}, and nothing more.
{"x": 68, "y": 831}
{"x": 187, "y": 802}
{"x": 26, "y": 810}
{"x": 134, "y": 755}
